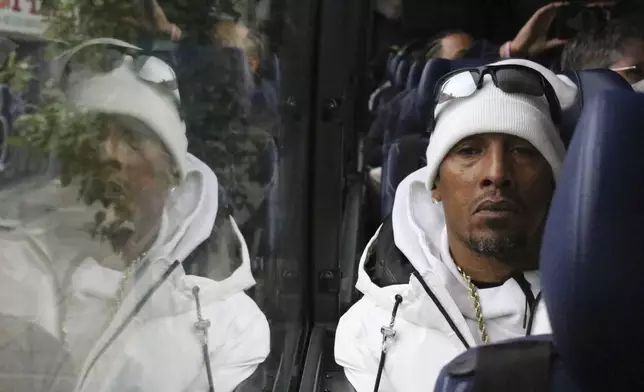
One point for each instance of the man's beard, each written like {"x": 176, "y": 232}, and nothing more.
{"x": 498, "y": 246}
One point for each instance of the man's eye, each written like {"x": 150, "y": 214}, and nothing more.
{"x": 468, "y": 151}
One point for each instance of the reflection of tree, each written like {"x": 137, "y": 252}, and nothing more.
{"x": 73, "y": 138}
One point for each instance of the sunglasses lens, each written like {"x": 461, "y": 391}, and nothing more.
{"x": 516, "y": 81}
{"x": 460, "y": 85}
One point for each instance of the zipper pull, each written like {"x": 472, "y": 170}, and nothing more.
{"x": 202, "y": 324}
{"x": 388, "y": 332}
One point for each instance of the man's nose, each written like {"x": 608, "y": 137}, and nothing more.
{"x": 496, "y": 171}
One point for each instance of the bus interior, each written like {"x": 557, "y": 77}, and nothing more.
{"x": 295, "y": 175}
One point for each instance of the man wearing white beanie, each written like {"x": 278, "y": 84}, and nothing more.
{"x": 469, "y": 224}
{"x": 127, "y": 313}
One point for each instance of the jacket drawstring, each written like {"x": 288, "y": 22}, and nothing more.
{"x": 529, "y": 299}
{"x": 388, "y": 334}
{"x": 202, "y": 326}
{"x": 533, "y": 310}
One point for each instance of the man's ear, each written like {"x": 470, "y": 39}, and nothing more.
{"x": 436, "y": 194}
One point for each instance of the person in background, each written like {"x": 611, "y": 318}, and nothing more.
{"x": 449, "y": 45}
{"x": 531, "y": 40}
{"x": 469, "y": 226}
{"x": 619, "y": 46}
{"x": 153, "y": 21}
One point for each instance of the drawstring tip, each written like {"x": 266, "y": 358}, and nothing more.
{"x": 388, "y": 334}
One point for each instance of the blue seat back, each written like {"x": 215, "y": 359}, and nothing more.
{"x": 415, "y": 72}
{"x": 590, "y": 83}
{"x": 592, "y": 262}
{"x": 392, "y": 66}
{"x": 402, "y": 72}
{"x": 460, "y": 375}
{"x": 388, "y": 65}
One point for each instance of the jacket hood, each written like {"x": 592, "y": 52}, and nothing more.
{"x": 187, "y": 222}
{"x": 420, "y": 234}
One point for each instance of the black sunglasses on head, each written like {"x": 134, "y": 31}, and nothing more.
{"x": 104, "y": 55}
{"x": 509, "y": 78}
{"x": 101, "y": 55}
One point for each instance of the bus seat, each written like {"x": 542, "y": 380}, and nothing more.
{"x": 415, "y": 72}
{"x": 392, "y": 66}
{"x": 591, "y": 261}
{"x": 405, "y": 156}
{"x": 591, "y": 267}
{"x": 590, "y": 82}
{"x": 389, "y": 67}
{"x": 402, "y": 72}
{"x": 503, "y": 361}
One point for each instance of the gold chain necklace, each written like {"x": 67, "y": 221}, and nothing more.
{"x": 123, "y": 284}
{"x": 474, "y": 294}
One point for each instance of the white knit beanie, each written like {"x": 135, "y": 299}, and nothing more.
{"x": 121, "y": 92}
{"x": 490, "y": 110}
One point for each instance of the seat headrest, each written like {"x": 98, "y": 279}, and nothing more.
{"x": 589, "y": 82}
{"x": 436, "y": 69}
{"x": 392, "y": 66}
{"x": 390, "y": 58}
{"x": 415, "y": 72}
{"x": 592, "y": 262}
{"x": 401, "y": 73}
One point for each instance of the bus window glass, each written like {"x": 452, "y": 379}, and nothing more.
{"x": 150, "y": 224}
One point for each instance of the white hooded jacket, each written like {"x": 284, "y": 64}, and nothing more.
{"x": 436, "y": 319}
{"x": 425, "y": 341}
{"x": 162, "y": 338}
{"x": 159, "y": 349}
{"x": 147, "y": 339}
